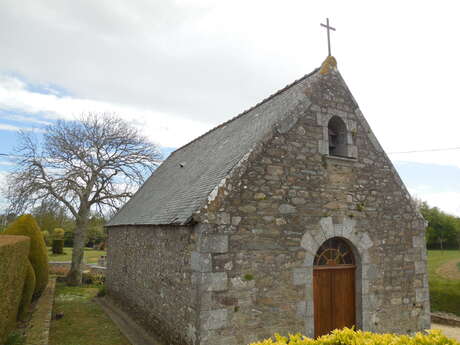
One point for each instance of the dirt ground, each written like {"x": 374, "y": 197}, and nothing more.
{"x": 449, "y": 331}
{"x": 449, "y": 270}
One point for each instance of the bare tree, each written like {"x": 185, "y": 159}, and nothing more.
{"x": 90, "y": 164}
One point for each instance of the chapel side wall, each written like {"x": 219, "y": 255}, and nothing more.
{"x": 149, "y": 277}
{"x": 260, "y": 234}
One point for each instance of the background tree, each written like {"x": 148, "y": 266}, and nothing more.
{"x": 443, "y": 230}
{"x": 96, "y": 231}
{"x": 50, "y": 215}
{"x": 85, "y": 165}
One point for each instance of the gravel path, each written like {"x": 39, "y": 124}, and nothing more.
{"x": 449, "y": 331}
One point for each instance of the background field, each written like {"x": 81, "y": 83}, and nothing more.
{"x": 91, "y": 255}
{"x": 444, "y": 285}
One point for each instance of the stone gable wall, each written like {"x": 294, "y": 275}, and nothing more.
{"x": 149, "y": 277}
{"x": 244, "y": 271}
{"x": 258, "y": 236}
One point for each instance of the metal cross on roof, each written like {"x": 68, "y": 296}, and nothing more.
{"x": 328, "y": 28}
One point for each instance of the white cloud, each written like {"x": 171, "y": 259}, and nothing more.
{"x": 178, "y": 67}
{"x": 206, "y": 61}
{"x": 167, "y": 130}
{"x": 26, "y": 119}
{"x": 7, "y": 164}
{"x": 6, "y": 127}
{"x": 447, "y": 201}
{"x": 448, "y": 157}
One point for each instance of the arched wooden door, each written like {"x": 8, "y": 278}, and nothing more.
{"x": 334, "y": 286}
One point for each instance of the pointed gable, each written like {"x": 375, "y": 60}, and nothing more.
{"x": 181, "y": 185}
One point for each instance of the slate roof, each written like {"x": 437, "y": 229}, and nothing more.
{"x": 173, "y": 193}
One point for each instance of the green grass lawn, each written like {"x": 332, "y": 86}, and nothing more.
{"x": 91, "y": 255}
{"x": 444, "y": 293}
{"x": 84, "y": 322}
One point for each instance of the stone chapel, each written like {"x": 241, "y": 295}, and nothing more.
{"x": 287, "y": 218}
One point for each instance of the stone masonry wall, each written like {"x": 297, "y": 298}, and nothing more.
{"x": 149, "y": 277}
{"x": 257, "y": 238}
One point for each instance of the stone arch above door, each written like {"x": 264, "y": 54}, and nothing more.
{"x": 360, "y": 242}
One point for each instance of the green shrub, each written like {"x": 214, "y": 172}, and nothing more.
{"x": 58, "y": 234}
{"x": 68, "y": 238}
{"x": 102, "y": 291}
{"x": 27, "y": 292}
{"x": 348, "y": 336}
{"x": 46, "y": 237}
{"x": 58, "y": 246}
{"x": 38, "y": 256}
{"x": 15, "y": 339}
{"x": 14, "y": 251}
{"x": 90, "y": 278}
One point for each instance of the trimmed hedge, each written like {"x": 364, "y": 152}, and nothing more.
{"x": 14, "y": 251}
{"x": 38, "y": 256}
{"x": 58, "y": 241}
{"x": 27, "y": 292}
{"x": 57, "y": 247}
{"x": 348, "y": 336}
{"x": 58, "y": 234}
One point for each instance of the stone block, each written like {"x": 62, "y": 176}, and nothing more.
{"x": 247, "y": 209}
{"x": 418, "y": 241}
{"x": 420, "y": 267}
{"x": 308, "y": 243}
{"x": 301, "y": 309}
{"x": 216, "y": 281}
{"x": 421, "y": 295}
{"x": 259, "y": 196}
{"x": 275, "y": 170}
{"x": 365, "y": 241}
{"x": 299, "y": 276}
{"x": 348, "y": 227}
{"x": 323, "y": 147}
{"x": 201, "y": 262}
{"x": 309, "y": 308}
{"x": 236, "y": 220}
{"x": 240, "y": 284}
{"x": 223, "y": 218}
{"x": 298, "y": 201}
{"x": 213, "y": 243}
{"x": 287, "y": 209}
{"x": 214, "y": 319}
{"x": 326, "y": 224}
{"x": 280, "y": 221}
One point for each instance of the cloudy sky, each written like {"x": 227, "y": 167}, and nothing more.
{"x": 178, "y": 68}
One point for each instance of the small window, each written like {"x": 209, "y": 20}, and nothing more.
{"x": 333, "y": 252}
{"x": 337, "y": 137}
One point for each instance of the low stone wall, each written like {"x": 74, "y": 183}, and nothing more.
{"x": 38, "y": 330}
{"x": 14, "y": 251}
{"x": 445, "y": 319}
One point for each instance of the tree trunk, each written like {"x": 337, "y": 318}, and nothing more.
{"x": 74, "y": 278}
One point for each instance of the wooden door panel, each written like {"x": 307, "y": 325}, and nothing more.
{"x": 343, "y": 297}
{"x": 334, "y": 299}
{"x": 322, "y": 288}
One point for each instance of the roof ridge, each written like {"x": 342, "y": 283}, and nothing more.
{"x": 249, "y": 109}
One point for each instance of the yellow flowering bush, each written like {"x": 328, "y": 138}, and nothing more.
{"x": 348, "y": 336}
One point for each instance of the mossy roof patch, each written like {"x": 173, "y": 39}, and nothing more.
{"x": 328, "y": 64}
